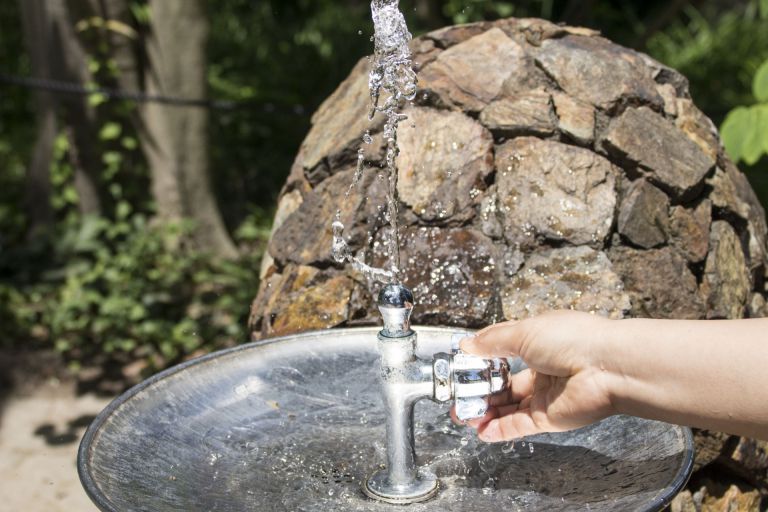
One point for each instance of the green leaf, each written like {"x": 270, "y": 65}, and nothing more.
{"x": 764, "y": 9}
{"x": 110, "y": 131}
{"x": 760, "y": 84}
{"x": 752, "y": 148}
{"x": 762, "y": 126}
{"x": 734, "y": 131}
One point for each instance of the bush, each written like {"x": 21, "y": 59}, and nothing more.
{"x": 131, "y": 291}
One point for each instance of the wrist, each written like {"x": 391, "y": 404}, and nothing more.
{"x": 607, "y": 362}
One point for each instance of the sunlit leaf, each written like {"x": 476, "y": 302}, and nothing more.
{"x": 110, "y": 131}
{"x": 760, "y": 85}
{"x": 734, "y": 131}
{"x": 752, "y": 148}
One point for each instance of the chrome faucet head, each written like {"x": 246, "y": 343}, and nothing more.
{"x": 396, "y": 304}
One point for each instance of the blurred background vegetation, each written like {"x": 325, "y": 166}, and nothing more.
{"x": 131, "y": 231}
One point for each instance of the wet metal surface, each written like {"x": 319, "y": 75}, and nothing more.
{"x": 296, "y": 424}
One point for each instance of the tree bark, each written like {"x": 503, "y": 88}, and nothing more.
{"x": 37, "y": 201}
{"x": 176, "y": 142}
{"x": 170, "y": 60}
{"x": 69, "y": 63}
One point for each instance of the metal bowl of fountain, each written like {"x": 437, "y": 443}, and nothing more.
{"x": 296, "y": 423}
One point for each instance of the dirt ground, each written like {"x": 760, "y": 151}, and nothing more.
{"x": 42, "y": 419}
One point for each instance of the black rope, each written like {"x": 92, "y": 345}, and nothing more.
{"x": 60, "y": 87}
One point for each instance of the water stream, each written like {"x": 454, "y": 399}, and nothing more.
{"x": 392, "y": 83}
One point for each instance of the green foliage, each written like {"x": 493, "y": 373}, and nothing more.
{"x": 760, "y": 84}
{"x": 745, "y": 130}
{"x": 719, "y": 54}
{"x": 128, "y": 290}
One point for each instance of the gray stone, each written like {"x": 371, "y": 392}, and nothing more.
{"x": 726, "y": 281}
{"x": 659, "y": 283}
{"x": 555, "y": 191}
{"x": 443, "y": 163}
{"x": 673, "y": 161}
{"x": 595, "y": 71}
{"x": 576, "y": 119}
{"x": 577, "y": 278}
{"x": 529, "y": 113}
{"x": 644, "y": 215}
{"x": 464, "y": 76}
{"x": 689, "y": 230}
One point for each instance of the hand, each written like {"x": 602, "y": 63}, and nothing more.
{"x": 564, "y": 387}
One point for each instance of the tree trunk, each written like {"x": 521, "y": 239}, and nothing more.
{"x": 69, "y": 63}
{"x": 177, "y": 138}
{"x": 37, "y": 200}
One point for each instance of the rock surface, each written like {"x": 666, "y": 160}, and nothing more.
{"x": 644, "y": 215}
{"x": 672, "y": 160}
{"x": 542, "y": 167}
{"x": 577, "y": 278}
{"x": 443, "y": 162}
{"x": 554, "y": 191}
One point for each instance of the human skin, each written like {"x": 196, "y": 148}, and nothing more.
{"x": 710, "y": 374}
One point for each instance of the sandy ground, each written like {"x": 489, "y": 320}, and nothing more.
{"x": 40, "y": 429}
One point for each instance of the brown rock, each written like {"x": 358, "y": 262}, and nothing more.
{"x": 575, "y": 119}
{"x": 726, "y": 281}
{"x": 443, "y": 162}
{"x": 453, "y": 272}
{"x": 288, "y": 204}
{"x": 710, "y": 445}
{"x": 464, "y": 76}
{"x": 554, "y": 190}
{"x": 734, "y": 500}
{"x": 673, "y": 161}
{"x": 595, "y": 71}
{"x": 305, "y": 236}
{"x": 689, "y": 230}
{"x": 490, "y": 222}
{"x": 451, "y": 36}
{"x": 314, "y": 305}
{"x": 758, "y": 307}
{"x": 684, "y": 502}
{"x": 698, "y": 127}
{"x": 527, "y": 114}
{"x": 669, "y": 95}
{"x": 644, "y": 215}
{"x": 659, "y": 283}
{"x": 577, "y": 278}
{"x": 751, "y": 456}
{"x": 340, "y": 122}
{"x": 732, "y": 195}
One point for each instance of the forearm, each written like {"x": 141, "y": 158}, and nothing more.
{"x": 708, "y": 374}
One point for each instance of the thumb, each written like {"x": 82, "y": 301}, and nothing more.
{"x": 501, "y": 340}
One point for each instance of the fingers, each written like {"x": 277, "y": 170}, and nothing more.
{"x": 508, "y": 424}
{"x": 520, "y": 386}
{"x": 500, "y": 340}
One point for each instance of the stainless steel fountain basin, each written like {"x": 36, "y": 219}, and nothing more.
{"x": 296, "y": 424}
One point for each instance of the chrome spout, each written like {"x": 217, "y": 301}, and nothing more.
{"x": 406, "y": 379}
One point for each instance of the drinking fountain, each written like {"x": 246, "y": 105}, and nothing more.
{"x": 358, "y": 419}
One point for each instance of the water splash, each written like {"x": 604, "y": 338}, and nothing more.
{"x": 392, "y": 82}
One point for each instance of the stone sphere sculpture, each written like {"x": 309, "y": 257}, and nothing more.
{"x": 541, "y": 167}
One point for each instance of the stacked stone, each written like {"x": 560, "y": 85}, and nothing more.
{"x": 542, "y": 167}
